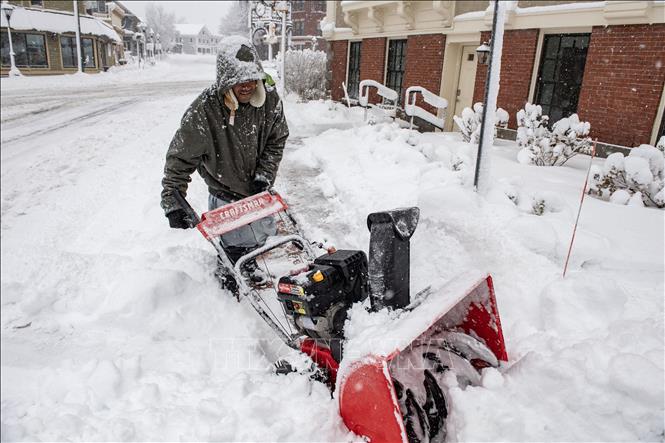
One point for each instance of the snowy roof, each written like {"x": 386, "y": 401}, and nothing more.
{"x": 57, "y": 22}
{"x": 188, "y": 29}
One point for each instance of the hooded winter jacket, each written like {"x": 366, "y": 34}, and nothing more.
{"x": 229, "y": 143}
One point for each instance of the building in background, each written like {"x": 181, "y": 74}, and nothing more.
{"x": 111, "y": 13}
{"x": 602, "y": 60}
{"x": 194, "y": 39}
{"x": 306, "y": 17}
{"x": 44, "y": 39}
{"x": 130, "y": 31}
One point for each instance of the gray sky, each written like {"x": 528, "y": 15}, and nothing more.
{"x": 208, "y": 13}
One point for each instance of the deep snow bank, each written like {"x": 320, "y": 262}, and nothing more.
{"x": 586, "y": 353}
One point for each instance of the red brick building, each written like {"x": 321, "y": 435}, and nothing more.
{"x": 603, "y": 60}
{"x": 306, "y": 16}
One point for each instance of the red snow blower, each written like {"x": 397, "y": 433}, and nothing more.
{"x": 392, "y": 379}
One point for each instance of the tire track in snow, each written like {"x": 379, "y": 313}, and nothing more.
{"x": 69, "y": 122}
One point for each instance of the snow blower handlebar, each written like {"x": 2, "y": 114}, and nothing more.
{"x": 192, "y": 217}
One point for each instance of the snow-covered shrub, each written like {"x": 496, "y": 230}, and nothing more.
{"x": 305, "y": 73}
{"x": 661, "y": 144}
{"x": 501, "y": 118}
{"x": 538, "y": 206}
{"x": 542, "y": 147}
{"x": 469, "y": 122}
{"x": 633, "y": 180}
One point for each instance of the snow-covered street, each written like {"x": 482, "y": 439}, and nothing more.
{"x": 114, "y": 327}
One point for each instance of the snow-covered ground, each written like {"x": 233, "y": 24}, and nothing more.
{"x": 113, "y": 327}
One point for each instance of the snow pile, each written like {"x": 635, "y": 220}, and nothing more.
{"x": 469, "y": 122}
{"x": 637, "y": 179}
{"x": 315, "y": 116}
{"x": 542, "y": 147}
{"x": 571, "y": 355}
{"x": 305, "y": 73}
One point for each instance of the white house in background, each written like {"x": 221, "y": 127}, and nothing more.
{"x": 194, "y": 39}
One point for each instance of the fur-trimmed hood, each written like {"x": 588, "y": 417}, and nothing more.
{"x": 237, "y": 62}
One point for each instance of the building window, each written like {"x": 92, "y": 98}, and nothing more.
{"x": 96, "y": 6}
{"x": 68, "y": 49}
{"x": 353, "y": 79}
{"x": 560, "y": 74}
{"x": 29, "y": 50}
{"x": 318, "y": 6}
{"x": 396, "y": 66}
{"x": 298, "y": 27}
{"x": 298, "y": 5}
{"x": 38, "y": 3}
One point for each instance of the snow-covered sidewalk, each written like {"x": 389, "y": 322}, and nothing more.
{"x": 113, "y": 327}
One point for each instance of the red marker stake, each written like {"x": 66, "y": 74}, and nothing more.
{"x": 579, "y": 210}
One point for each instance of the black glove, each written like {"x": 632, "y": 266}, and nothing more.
{"x": 178, "y": 219}
{"x": 260, "y": 184}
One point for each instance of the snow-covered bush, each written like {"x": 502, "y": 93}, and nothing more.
{"x": 544, "y": 147}
{"x": 305, "y": 73}
{"x": 469, "y": 122}
{"x": 661, "y": 144}
{"x": 633, "y": 180}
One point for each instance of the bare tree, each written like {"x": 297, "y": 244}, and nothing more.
{"x": 235, "y": 20}
{"x": 162, "y": 22}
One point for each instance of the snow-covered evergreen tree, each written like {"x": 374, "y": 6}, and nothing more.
{"x": 469, "y": 122}
{"x": 305, "y": 73}
{"x": 634, "y": 180}
{"x": 544, "y": 147}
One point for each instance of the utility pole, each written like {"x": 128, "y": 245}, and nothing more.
{"x": 283, "y": 8}
{"x": 79, "y": 53}
{"x": 8, "y": 9}
{"x": 486, "y": 140}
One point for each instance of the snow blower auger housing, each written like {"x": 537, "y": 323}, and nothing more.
{"x": 390, "y": 383}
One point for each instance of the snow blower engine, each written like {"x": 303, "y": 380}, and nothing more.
{"x": 318, "y": 298}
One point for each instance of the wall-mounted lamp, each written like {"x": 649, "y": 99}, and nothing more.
{"x": 483, "y": 52}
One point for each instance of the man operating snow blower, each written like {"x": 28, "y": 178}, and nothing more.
{"x": 234, "y": 135}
